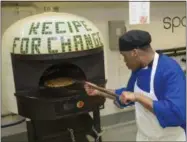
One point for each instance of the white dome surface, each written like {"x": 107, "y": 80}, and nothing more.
{"x": 52, "y": 33}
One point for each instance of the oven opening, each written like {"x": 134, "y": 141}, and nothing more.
{"x": 62, "y": 76}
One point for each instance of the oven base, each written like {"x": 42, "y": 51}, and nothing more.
{"x": 53, "y": 108}
{"x": 57, "y": 130}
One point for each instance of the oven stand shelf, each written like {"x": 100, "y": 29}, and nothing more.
{"x": 34, "y": 127}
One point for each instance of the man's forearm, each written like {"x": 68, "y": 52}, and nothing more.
{"x": 145, "y": 101}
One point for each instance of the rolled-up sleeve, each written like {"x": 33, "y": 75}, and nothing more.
{"x": 171, "y": 110}
{"x": 119, "y": 91}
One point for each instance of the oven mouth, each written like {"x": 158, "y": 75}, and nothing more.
{"x": 62, "y": 79}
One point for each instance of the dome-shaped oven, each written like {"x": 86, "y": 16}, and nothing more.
{"x": 34, "y": 44}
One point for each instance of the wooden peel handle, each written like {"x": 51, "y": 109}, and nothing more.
{"x": 102, "y": 89}
{"x": 106, "y": 95}
{"x": 105, "y": 92}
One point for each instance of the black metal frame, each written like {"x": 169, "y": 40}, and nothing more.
{"x": 173, "y": 51}
{"x": 33, "y": 137}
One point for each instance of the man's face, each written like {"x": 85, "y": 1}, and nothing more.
{"x": 131, "y": 59}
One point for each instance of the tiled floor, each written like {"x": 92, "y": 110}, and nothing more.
{"x": 121, "y": 133}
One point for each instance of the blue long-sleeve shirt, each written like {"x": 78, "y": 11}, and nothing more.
{"x": 170, "y": 89}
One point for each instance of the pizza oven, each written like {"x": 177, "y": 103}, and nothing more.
{"x": 41, "y": 101}
{"x": 46, "y": 58}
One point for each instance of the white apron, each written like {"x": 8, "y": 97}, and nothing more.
{"x": 148, "y": 126}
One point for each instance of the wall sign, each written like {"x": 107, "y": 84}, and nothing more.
{"x": 171, "y": 23}
{"x": 139, "y": 12}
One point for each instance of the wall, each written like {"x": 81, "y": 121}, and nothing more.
{"x": 100, "y": 13}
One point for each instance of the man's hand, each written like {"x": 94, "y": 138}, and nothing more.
{"x": 137, "y": 97}
{"x": 127, "y": 97}
{"x": 94, "y": 92}
{"x": 90, "y": 91}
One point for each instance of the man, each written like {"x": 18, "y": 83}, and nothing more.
{"x": 157, "y": 87}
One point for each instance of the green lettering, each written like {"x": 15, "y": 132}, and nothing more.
{"x": 26, "y": 45}
{"x": 45, "y": 27}
{"x": 76, "y": 25}
{"x": 96, "y": 40}
{"x": 14, "y": 43}
{"x": 58, "y": 28}
{"x": 49, "y": 45}
{"x": 88, "y": 40}
{"x": 36, "y": 42}
{"x": 78, "y": 42}
{"x": 85, "y": 26}
{"x": 70, "y": 27}
{"x": 33, "y": 28}
{"x": 99, "y": 39}
{"x": 65, "y": 43}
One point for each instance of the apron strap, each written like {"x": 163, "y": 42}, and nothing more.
{"x": 154, "y": 67}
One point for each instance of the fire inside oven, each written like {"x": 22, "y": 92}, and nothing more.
{"x": 61, "y": 80}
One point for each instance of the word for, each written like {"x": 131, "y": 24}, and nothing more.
{"x": 56, "y": 44}
{"x": 174, "y": 22}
